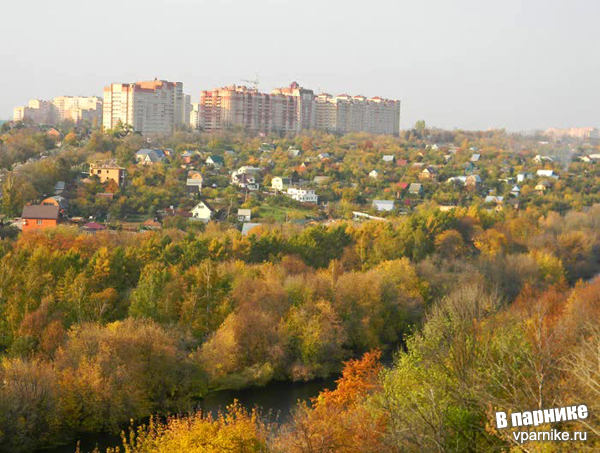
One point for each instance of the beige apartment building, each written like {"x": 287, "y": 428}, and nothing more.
{"x": 38, "y": 111}
{"x": 346, "y": 113}
{"x": 78, "y": 108}
{"x": 152, "y": 108}
{"x": 61, "y": 108}
{"x": 574, "y": 132}
{"x": 195, "y": 115}
{"x": 293, "y": 109}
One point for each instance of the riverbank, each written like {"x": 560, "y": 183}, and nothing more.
{"x": 276, "y": 401}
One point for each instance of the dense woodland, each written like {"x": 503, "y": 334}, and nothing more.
{"x": 485, "y": 310}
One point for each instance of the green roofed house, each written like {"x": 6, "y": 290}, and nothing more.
{"x": 215, "y": 161}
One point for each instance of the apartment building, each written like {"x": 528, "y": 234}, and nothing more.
{"x": 78, "y": 108}
{"x": 38, "y": 111}
{"x": 574, "y": 132}
{"x": 293, "y": 109}
{"x": 195, "y": 115}
{"x": 344, "y": 113}
{"x": 152, "y": 108}
{"x": 73, "y": 108}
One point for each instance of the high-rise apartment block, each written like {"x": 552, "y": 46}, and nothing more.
{"x": 574, "y": 132}
{"x": 151, "y": 108}
{"x": 195, "y": 115}
{"x": 62, "y": 108}
{"x": 293, "y": 109}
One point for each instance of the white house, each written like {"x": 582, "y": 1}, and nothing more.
{"x": 302, "y": 195}
{"x": 202, "y": 212}
{"x": 244, "y": 215}
{"x": 547, "y": 174}
{"x": 280, "y": 183}
{"x": 215, "y": 161}
{"x": 383, "y": 205}
{"x": 523, "y": 176}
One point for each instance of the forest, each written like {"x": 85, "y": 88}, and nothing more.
{"x": 101, "y": 329}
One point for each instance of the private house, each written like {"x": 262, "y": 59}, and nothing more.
{"x": 59, "y": 201}
{"x": 59, "y": 187}
{"x": 457, "y": 180}
{"x": 281, "y": 183}
{"x": 247, "y": 181}
{"x": 187, "y": 156}
{"x": 389, "y": 158}
{"x": 215, "y": 161}
{"x": 523, "y": 176}
{"x": 321, "y": 180}
{"x": 428, "y": 174}
{"x": 415, "y": 188}
{"x": 374, "y": 174}
{"x": 105, "y": 196}
{"x": 542, "y": 186}
{"x": 475, "y": 157}
{"x": 492, "y": 199}
{"x": 92, "y": 228}
{"x": 54, "y": 133}
{"x": 324, "y": 156}
{"x": 202, "y": 212}
{"x": 302, "y": 195}
{"x": 107, "y": 172}
{"x": 473, "y": 182}
{"x": 39, "y": 217}
{"x": 401, "y": 162}
{"x": 383, "y": 205}
{"x": 515, "y": 191}
{"x": 244, "y": 215}
{"x": 293, "y": 153}
{"x": 541, "y": 159}
{"x": 151, "y": 224}
{"x": 150, "y": 156}
{"x": 193, "y": 185}
{"x": 547, "y": 174}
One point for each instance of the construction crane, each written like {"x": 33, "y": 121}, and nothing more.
{"x": 253, "y": 82}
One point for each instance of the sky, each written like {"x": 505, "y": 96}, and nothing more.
{"x": 468, "y": 64}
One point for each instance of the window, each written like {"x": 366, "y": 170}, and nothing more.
{"x": 39, "y": 222}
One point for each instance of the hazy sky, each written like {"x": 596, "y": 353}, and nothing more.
{"x": 455, "y": 63}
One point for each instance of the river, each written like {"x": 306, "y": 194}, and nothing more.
{"x": 276, "y": 401}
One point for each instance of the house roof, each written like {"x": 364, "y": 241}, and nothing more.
{"x": 205, "y": 203}
{"x": 475, "y": 157}
{"x": 244, "y": 212}
{"x": 414, "y": 187}
{"x": 154, "y": 155}
{"x": 216, "y": 159}
{"x": 247, "y": 227}
{"x": 193, "y": 182}
{"x": 94, "y": 226}
{"x": 384, "y": 203}
{"x": 388, "y": 158}
{"x": 40, "y": 212}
